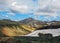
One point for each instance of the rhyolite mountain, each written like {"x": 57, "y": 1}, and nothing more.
{"x": 23, "y": 27}
{"x": 38, "y": 24}
{"x": 14, "y": 28}
{"x": 33, "y": 23}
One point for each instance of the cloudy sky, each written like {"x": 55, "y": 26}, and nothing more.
{"x": 22, "y": 9}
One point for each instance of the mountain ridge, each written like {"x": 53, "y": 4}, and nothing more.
{"x": 23, "y": 27}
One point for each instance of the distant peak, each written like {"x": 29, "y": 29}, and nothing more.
{"x": 29, "y": 19}
{"x": 7, "y": 19}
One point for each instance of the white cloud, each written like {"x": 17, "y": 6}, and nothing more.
{"x": 3, "y": 4}
{"x": 50, "y": 4}
{"x": 19, "y": 8}
{"x": 48, "y": 8}
{"x": 46, "y": 14}
{"x": 23, "y": 6}
{"x": 39, "y": 7}
{"x": 12, "y": 14}
{"x": 43, "y": 3}
{"x": 14, "y": 3}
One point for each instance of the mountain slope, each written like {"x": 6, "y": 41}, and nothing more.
{"x": 34, "y": 23}
{"x": 24, "y": 27}
{"x": 12, "y": 28}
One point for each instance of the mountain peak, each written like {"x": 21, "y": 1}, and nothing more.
{"x": 27, "y": 20}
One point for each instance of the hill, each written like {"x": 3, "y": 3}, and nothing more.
{"x": 24, "y": 27}
{"x": 34, "y": 23}
{"x": 13, "y": 28}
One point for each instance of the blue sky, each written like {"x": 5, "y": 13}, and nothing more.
{"x": 37, "y": 9}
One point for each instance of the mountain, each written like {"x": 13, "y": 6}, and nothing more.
{"x": 24, "y": 27}
{"x": 7, "y": 21}
{"x": 31, "y": 20}
{"x": 33, "y": 23}
{"x": 53, "y": 23}
{"x": 13, "y": 28}
{"x": 38, "y": 24}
